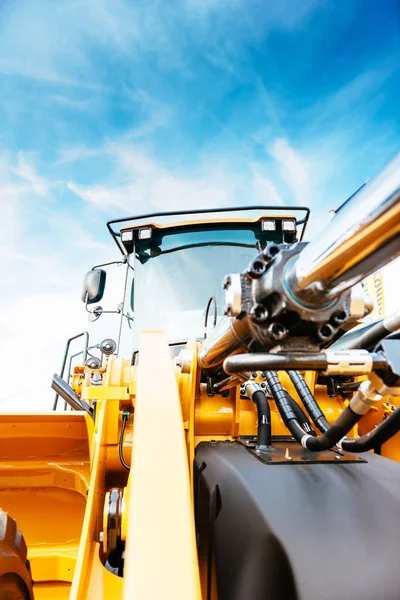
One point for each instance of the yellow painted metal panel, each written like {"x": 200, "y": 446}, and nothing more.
{"x": 160, "y": 558}
{"x": 44, "y": 478}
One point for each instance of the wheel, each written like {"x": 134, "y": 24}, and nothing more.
{"x": 15, "y": 574}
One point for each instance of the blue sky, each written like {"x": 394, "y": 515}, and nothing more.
{"x": 112, "y": 107}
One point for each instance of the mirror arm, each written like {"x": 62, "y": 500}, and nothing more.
{"x": 114, "y": 262}
{"x": 103, "y": 312}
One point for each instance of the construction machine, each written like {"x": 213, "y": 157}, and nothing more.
{"x": 238, "y": 437}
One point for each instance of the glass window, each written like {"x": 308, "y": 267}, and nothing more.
{"x": 174, "y": 280}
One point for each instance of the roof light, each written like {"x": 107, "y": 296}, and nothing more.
{"x": 268, "y": 225}
{"x": 145, "y": 233}
{"x": 288, "y": 225}
{"x": 127, "y": 235}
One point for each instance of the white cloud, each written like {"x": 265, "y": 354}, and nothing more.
{"x": 45, "y": 246}
{"x": 264, "y": 190}
{"x": 36, "y": 328}
{"x": 36, "y": 71}
{"x": 10, "y": 223}
{"x": 140, "y": 183}
{"x": 25, "y": 170}
{"x": 259, "y": 16}
{"x": 78, "y": 153}
{"x": 56, "y": 47}
{"x": 42, "y": 279}
{"x": 77, "y": 105}
{"x": 293, "y": 168}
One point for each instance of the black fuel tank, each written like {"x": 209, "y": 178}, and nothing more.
{"x": 297, "y": 532}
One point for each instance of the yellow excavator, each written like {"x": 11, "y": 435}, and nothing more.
{"x": 240, "y": 438}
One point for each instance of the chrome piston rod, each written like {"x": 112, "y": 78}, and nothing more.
{"x": 363, "y": 236}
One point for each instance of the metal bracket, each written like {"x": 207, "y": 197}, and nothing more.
{"x": 289, "y": 452}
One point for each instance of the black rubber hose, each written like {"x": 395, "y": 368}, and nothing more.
{"x": 375, "y": 334}
{"x": 283, "y": 362}
{"x": 326, "y": 440}
{"x": 307, "y": 398}
{"x": 261, "y": 361}
{"x": 375, "y": 438}
{"x": 337, "y": 431}
{"x": 125, "y": 417}
{"x": 285, "y": 407}
{"x": 264, "y": 419}
{"x": 212, "y": 300}
{"x": 300, "y": 415}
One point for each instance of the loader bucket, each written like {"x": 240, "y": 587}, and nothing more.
{"x": 44, "y": 478}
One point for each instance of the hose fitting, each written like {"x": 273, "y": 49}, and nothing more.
{"x": 255, "y": 392}
{"x": 365, "y": 397}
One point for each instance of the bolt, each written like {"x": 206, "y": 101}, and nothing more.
{"x": 340, "y": 317}
{"x": 277, "y": 331}
{"x": 270, "y": 251}
{"x": 287, "y": 455}
{"x": 228, "y": 310}
{"x": 263, "y": 385}
{"x": 259, "y": 313}
{"x": 227, "y": 282}
{"x": 337, "y": 457}
{"x": 256, "y": 268}
{"x": 325, "y": 332}
{"x": 101, "y": 537}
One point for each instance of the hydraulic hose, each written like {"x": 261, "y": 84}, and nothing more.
{"x": 261, "y": 361}
{"x": 125, "y": 417}
{"x": 284, "y": 406}
{"x": 375, "y": 438}
{"x": 307, "y": 398}
{"x": 300, "y": 415}
{"x": 361, "y": 403}
{"x": 264, "y": 419}
{"x": 375, "y": 334}
{"x": 283, "y": 362}
{"x": 259, "y": 398}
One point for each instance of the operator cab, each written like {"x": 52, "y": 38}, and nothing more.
{"x": 178, "y": 266}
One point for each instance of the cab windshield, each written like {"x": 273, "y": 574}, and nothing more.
{"x": 174, "y": 280}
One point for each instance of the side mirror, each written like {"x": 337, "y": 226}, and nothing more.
{"x": 93, "y": 286}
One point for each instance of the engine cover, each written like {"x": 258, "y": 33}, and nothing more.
{"x": 296, "y": 532}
